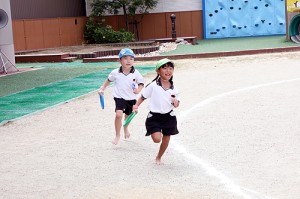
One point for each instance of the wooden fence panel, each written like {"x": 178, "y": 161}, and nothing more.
{"x": 184, "y": 24}
{"x": 68, "y": 33}
{"x": 34, "y": 34}
{"x": 153, "y": 26}
{"x": 169, "y": 25}
{"x": 48, "y": 33}
{"x": 159, "y": 25}
{"x": 197, "y": 24}
{"x": 51, "y": 33}
{"x": 19, "y": 35}
{"x": 72, "y": 31}
{"x": 80, "y": 28}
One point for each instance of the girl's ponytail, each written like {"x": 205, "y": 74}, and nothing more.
{"x": 153, "y": 79}
{"x": 171, "y": 80}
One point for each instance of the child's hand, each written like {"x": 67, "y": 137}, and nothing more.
{"x": 136, "y": 91}
{"x": 137, "y": 88}
{"x": 101, "y": 91}
{"x": 175, "y": 102}
{"x": 135, "y": 108}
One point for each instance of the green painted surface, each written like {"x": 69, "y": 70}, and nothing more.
{"x": 63, "y": 87}
{"x": 54, "y": 83}
{"x": 232, "y": 44}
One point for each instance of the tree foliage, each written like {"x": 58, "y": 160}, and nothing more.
{"x": 98, "y": 33}
{"x": 130, "y": 8}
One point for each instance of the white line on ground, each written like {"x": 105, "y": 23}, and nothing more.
{"x": 231, "y": 186}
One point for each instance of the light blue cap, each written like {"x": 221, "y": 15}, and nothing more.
{"x": 126, "y": 51}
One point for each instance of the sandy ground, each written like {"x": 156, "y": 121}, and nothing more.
{"x": 239, "y": 138}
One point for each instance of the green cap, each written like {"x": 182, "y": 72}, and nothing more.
{"x": 162, "y": 62}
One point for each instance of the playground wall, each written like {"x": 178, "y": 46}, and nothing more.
{"x": 218, "y": 19}
{"x": 33, "y": 34}
{"x": 236, "y": 18}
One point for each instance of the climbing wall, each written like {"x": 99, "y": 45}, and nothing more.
{"x": 241, "y": 18}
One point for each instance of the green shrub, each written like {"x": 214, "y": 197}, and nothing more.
{"x": 90, "y": 28}
{"x": 97, "y": 33}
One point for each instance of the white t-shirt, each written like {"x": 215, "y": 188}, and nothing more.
{"x": 125, "y": 84}
{"x": 160, "y": 100}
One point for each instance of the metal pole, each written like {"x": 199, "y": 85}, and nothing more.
{"x": 173, "y": 17}
{"x": 3, "y": 63}
{"x": 287, "y": 33}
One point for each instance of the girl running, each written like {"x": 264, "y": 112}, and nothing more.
{"x": 161, "y": 121}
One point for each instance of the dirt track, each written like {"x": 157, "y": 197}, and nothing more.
{"x": 239, "y": 138}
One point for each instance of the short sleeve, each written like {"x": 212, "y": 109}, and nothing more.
{"x": 147, "y": 92}
{"x": 177, "y": 94}
{"x": 139, "y": 78}
{"x": 112, "y": 76}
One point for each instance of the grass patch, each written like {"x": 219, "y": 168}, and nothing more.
{"x": 46, "y": 74}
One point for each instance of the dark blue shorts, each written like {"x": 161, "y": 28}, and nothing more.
{"x": 164, "y": 123}
{"x": 124, "y": 105}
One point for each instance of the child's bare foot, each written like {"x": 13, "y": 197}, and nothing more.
{"x": 116, "y": 140}
{"x": 158, "y": 161}
{"x": 127, "y": 134}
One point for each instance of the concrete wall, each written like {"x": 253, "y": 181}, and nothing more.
{"x": 165, "y": 6}
{"x": 37, "y": 9}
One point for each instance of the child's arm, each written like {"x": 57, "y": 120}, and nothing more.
{"x": 140, "y": 83}
{"x": 175, "y": 101}
{"x": 138, "y": 89}
{"x": 103, "y": 87}
{"x": 139, "y": 102}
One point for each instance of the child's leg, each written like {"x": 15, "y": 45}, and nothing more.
{"x": 118, "y": 125}
{"x": 162, "y": 148}
{"x": 126, "y": 132}
{"x": 156, "y": 137}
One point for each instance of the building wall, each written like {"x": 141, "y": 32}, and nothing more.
{"x": 40, "y": 24}
{"x": 34, "y": 34}
{"x": 31, "y": 34}
{"x": 36, "y": 9}
{"x": 159, "y": 25}
{"x": 177, "y": 6}
{"x": 165, "y": 6}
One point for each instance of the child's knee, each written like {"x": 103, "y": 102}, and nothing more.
{"x": 119, "y": 114}
{"x": 156, "y": 137}
{"x": 156, "y": 140}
